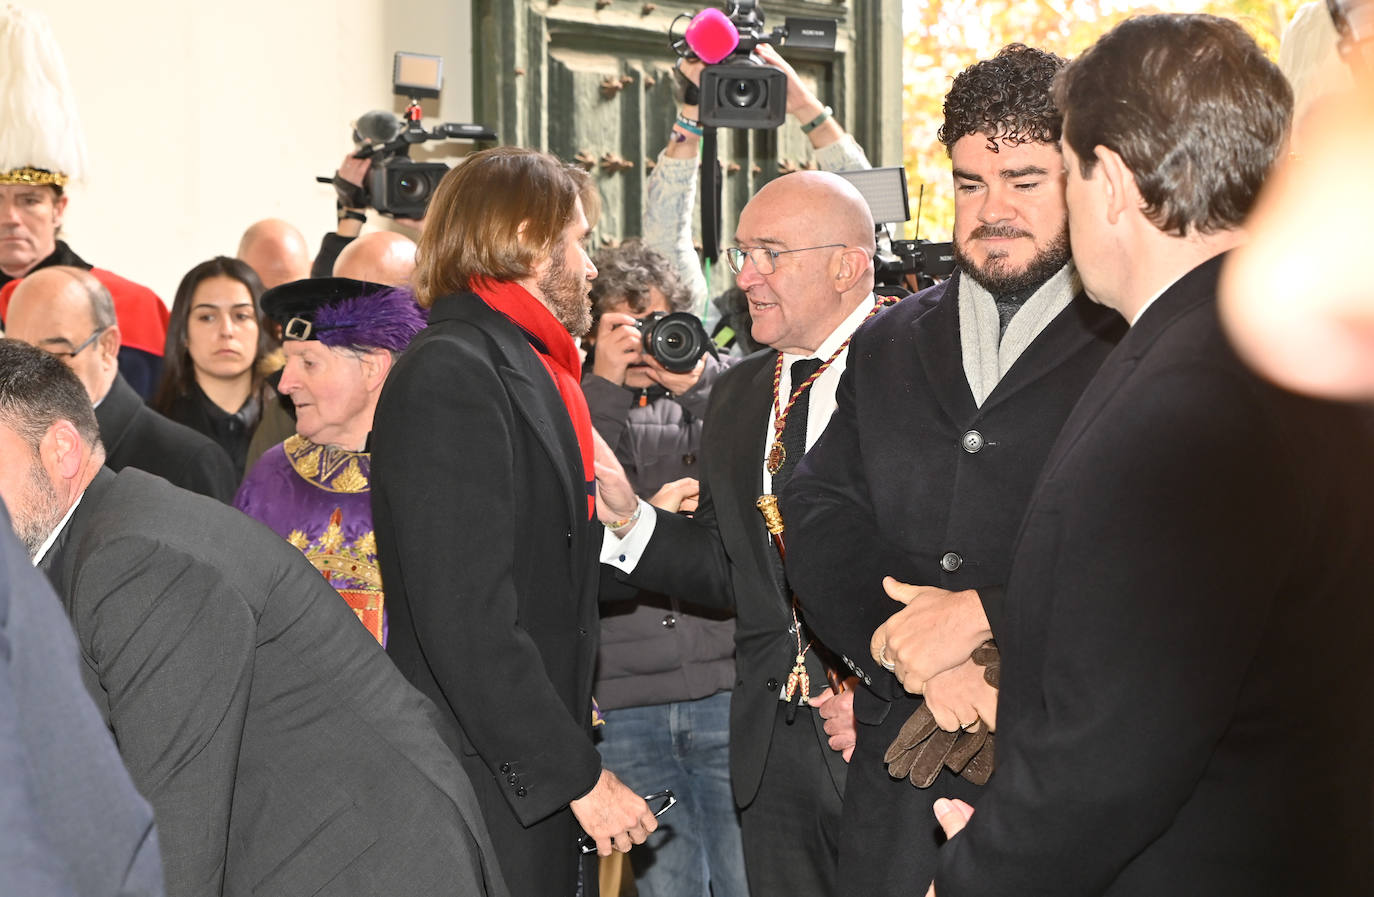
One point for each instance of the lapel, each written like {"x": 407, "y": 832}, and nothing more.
{"x": 936, "y": 342}
{"x": 115, "y": 412}
{"x": 532, "y": 391}
{"x": 1196, "y": 287}
{"x": 740, "y": 443}
{"x": 1077, "y": 326}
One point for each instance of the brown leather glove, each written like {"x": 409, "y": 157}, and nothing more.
{"x": 921, "y": 748}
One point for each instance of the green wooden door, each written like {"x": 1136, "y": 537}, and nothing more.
{"x": 591, "y": 81}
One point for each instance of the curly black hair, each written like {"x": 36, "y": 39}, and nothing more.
{"x": 1005, "y": 98}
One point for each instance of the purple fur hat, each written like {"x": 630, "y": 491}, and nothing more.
{"x": 344, "y": 313}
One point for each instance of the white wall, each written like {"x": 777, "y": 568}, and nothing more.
{"x": 202, "y": 116}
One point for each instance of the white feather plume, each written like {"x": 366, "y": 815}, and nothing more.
{"x": 39, "y": 127}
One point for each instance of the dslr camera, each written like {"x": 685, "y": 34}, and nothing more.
{"x": 738, "y": 91}
{"x": 677, "y": 340}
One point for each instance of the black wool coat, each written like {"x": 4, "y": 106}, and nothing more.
{"x": 913, "y": 480}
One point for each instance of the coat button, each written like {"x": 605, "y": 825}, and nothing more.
{"x": 772, "y": 684}
{"x": 973, "y": 441}
{"x": 569, "y": 536}
{"x": 521, "y": 792}
{"x": 669, "y": 621}
{"x": 581, "y": 630}
{"x": 513, "y": 779}
{"x": 689, "y": 459}
{"x": 505, "y": 767}
{"x": 951, "y": 561}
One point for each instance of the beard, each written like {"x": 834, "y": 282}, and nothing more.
{"x": 567, "y": 295}
{"x": 37, "y": 510}
{"x": 998, "y": 278}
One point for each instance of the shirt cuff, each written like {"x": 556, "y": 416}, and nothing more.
{"x": 624, "y": 554}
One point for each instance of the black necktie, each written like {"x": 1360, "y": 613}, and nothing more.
{"x": 794, "y": 433}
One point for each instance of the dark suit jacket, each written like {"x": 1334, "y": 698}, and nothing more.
{"x": 135, "y": 435}
{"x": 723, "y": 554}
{"x": 281, "y": 750}
{"x": 71, "y": 822}
{"x": 480, "y": 505}
{"x": 1186, "y": 668}
{"x": 909, "y": 471}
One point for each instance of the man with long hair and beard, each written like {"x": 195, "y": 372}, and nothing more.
{"x": 944, "y": 419}
{"x": 484, "y": 506}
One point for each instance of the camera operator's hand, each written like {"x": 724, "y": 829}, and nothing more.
{"x": 415, "y": 224}
{"x": 349, "y": 181}
{"x": 619, "y": 344}
{"x": 801, "y": 102}
{"x": 682, "y": 144}
{"x": 676, "y": 384}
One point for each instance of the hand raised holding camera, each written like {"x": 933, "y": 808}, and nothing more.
{"x": 619, "y": 344}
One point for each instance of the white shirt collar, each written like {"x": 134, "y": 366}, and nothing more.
{"x": 52, "y": 536}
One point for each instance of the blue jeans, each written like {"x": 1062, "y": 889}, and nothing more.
{"x": 686, "y": 747}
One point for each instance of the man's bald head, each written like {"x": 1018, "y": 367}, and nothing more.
{"x": 378, "y": 257}
{"x": 820, "y": 204}
{"x": 809, "y": 264}
{"x": 68, "y": 312}
{"x": 276, "y": 251}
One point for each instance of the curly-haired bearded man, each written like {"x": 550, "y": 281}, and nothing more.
{"x": 944, "y": 421}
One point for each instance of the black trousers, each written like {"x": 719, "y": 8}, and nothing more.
{"x": 792, "y": 829}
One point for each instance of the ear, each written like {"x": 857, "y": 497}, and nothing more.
{"x": 849, "y": 267}
{"x": 62, "y": 452}
{"x": 1118, "y": 184}
{"x": 109, "y": 343}
{"x": 59, "y": 208}
{"x": 376, "y": 365}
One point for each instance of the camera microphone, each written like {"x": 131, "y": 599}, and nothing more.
{"x": 711, "y": 35}
{"x": 377, "y": 126}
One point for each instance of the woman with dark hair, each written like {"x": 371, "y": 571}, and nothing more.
{"x": 216, "y": 338}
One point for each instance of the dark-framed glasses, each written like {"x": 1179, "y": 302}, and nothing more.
{"x": 659, "y": 802}
{"x": 79, "y": 349}
{"x": 765, "y": 260}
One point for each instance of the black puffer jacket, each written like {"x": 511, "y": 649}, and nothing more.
{"x": 655, "y": 650}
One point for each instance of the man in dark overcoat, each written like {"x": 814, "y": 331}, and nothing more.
{"x": 482, "y": 498}
{"x": 944, "y": 419}
{"x": 1186, "y": 672}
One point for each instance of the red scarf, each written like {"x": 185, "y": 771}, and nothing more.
{"x": 555, "y": 347}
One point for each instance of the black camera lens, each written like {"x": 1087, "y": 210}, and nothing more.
{"x": 410, "y": 187}
{"x": 742, "y": 93}
{"x": 676, "y": 341}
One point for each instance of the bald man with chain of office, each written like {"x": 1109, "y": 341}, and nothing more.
{"x": 803, "y": 253}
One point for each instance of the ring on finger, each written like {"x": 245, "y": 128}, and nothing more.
{"x": 882, "y": 659}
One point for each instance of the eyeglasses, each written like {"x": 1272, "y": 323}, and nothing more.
{"x": 764, "y": 259}
{"x": 79, "y": 349}
{"x": 660, "y": 802}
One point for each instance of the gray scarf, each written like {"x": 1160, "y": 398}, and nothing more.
{"x": 988, "y": 352}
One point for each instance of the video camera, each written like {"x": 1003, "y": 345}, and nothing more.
{"x": 738, "y": 91}
{"x": 398, "y": 186}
